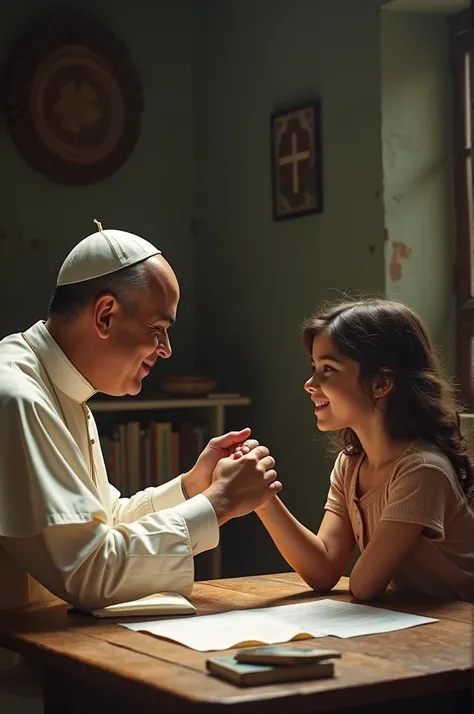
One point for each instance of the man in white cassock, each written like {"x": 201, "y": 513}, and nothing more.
{"x": 65, "y": 532}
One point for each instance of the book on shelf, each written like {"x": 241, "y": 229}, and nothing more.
{"x": 139, "y": 455}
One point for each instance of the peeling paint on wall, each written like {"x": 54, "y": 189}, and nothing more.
{"x": 400, "y": 253}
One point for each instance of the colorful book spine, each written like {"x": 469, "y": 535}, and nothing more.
{"x": 138, "y": 456}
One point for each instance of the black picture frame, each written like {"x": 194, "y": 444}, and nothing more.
{"x": 297, "y": 131}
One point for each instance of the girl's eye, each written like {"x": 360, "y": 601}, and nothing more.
{"x": 328, "y": 368}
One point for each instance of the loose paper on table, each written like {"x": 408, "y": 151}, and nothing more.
{"x": 271, "y": 625}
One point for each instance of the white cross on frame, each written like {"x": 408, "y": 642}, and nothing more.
{"x": 294, "y": 158}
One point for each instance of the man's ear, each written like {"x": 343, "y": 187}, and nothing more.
{"x": 104, "y": 312}
{"x": 383, "y": 384}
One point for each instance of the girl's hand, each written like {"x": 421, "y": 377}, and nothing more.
{"x": 241, "y": 449}
{"x": 234, "y": 444}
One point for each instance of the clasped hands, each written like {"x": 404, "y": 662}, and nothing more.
{"x": 235, "y": 473}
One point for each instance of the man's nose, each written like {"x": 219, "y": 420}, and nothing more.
{"x": 164, "y": 348}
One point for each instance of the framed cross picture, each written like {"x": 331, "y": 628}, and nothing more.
{"x": 297, "y": 161}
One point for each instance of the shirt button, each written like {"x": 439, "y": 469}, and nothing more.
{"x": 92, "y": 441}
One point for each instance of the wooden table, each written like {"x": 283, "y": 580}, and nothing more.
{"x": 93, "y": 666}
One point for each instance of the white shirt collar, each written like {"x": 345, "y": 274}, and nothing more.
{"x": 62, "y": 372}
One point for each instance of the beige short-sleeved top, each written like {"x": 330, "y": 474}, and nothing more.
{"x": 421, "y": 487}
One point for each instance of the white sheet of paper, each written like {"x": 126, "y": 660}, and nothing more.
{"x": 272, "y": 625}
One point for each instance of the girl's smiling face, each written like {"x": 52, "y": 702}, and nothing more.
{"x": 335, "y": 389}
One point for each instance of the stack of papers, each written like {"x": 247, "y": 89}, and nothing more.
{"x": 270, "y": 625}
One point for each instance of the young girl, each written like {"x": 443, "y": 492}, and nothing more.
{"x": 400, "y": 486}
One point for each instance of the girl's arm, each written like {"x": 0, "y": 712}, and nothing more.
{"x": 319, "y": 559}
{"x": 387, "y": 548}
{"x": 417, "y": 502}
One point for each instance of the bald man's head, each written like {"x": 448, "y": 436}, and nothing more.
{"x": 116, "y": 326}
{"x": 161, "y": 279}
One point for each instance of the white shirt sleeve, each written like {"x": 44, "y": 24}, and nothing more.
{"x": 199, "y": 514}
{"x": 91, "y": 565}
{"x": 167, "y": 495}
{"x": 54, "y": 523}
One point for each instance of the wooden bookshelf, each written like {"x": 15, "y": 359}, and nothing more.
{"x": 106, "y": 405}
{"x": 215, "y": 407}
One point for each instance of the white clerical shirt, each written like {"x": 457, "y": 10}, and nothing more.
{"x": 64, "y": 530}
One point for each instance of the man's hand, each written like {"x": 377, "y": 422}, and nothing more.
{"x": 233, "y": 444}
{"x": 239, "y": 485}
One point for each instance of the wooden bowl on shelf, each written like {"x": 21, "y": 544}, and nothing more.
{"x": 191, "y": 386}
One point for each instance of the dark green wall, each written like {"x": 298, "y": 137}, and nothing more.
{"x": 258, "y": 279}
{"x": 418, "y": 171}
{"x": 152, "y": 194}
{"x": 213, "y": 71}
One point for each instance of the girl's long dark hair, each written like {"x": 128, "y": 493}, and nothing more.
{"x": 387, "y": 335}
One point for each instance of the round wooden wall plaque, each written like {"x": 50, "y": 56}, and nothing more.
{"x": 73, "y": 100}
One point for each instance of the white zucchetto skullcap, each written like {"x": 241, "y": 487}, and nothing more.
{"x": 102, "y": 253}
